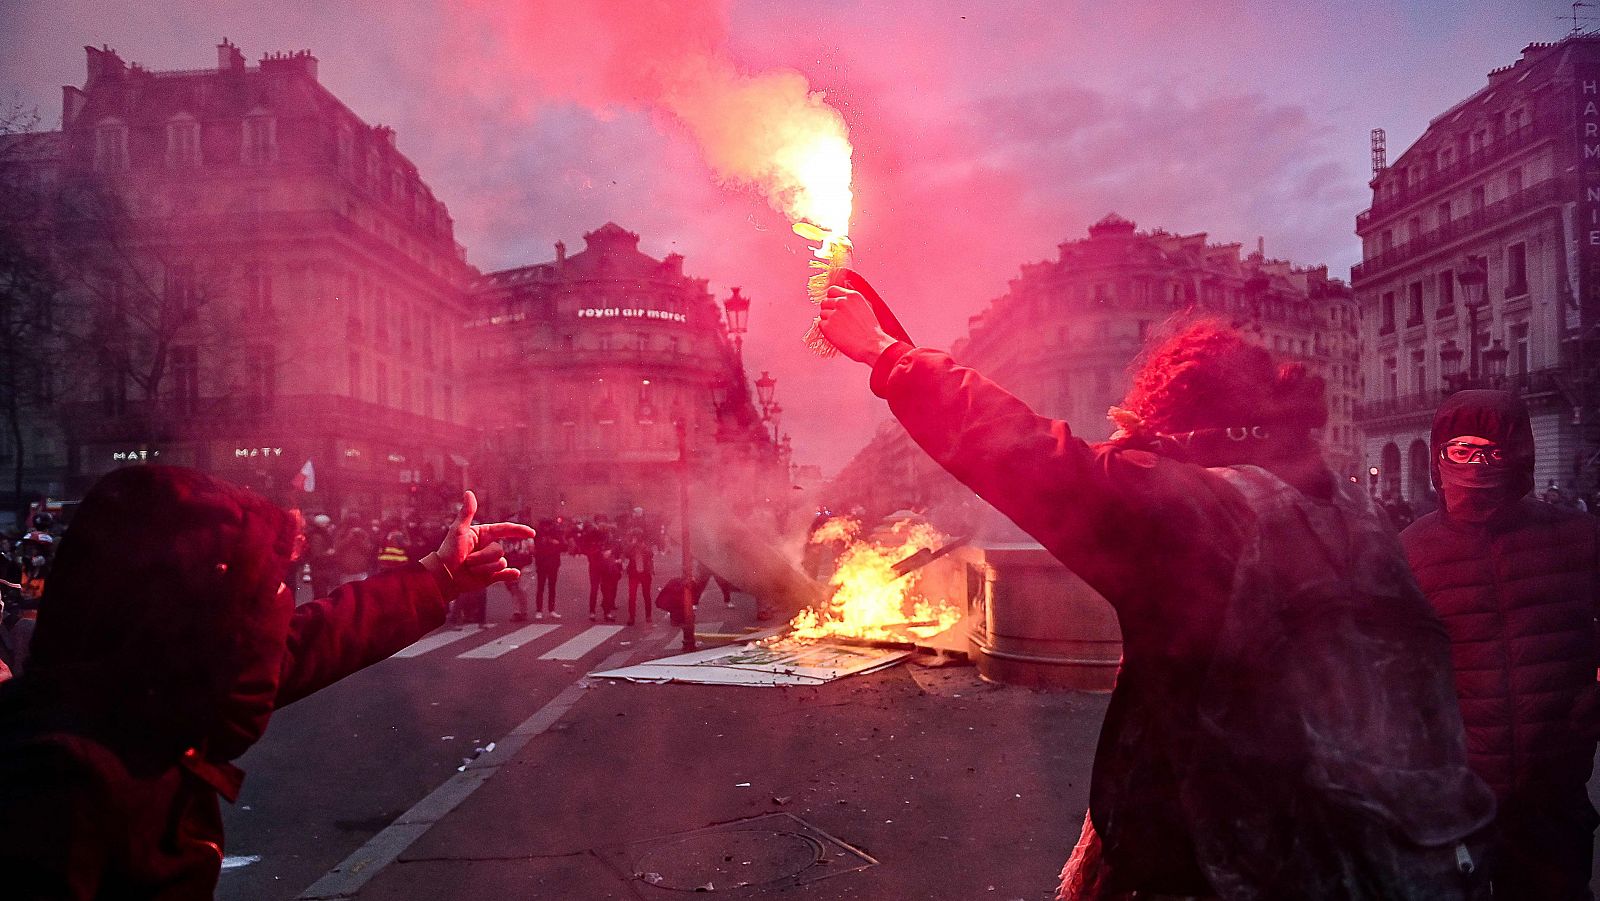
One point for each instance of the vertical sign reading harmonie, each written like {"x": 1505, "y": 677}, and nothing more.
{"x": 1587, "y": 271}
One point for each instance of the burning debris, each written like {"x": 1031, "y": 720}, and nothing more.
{"x": 875, "y": 584}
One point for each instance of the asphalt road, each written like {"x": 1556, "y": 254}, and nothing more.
{"x": 339, "y": 766}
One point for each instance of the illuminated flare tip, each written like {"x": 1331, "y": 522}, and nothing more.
{"x": 869, "y": 601}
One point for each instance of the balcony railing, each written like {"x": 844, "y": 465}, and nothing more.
{"x": 1539, "y": 381}
{"x": 1546, "y": 191}
{"x": 1435, "y": 180}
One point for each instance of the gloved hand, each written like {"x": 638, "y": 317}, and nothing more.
{"x": 470, "y": 557}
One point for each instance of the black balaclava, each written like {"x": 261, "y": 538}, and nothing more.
{"x": 1474, "y": 492}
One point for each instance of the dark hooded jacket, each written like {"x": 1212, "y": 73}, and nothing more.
{"x": 164, "y": 643}
{"x": 1162, "y": 539}
{"x": 1517, "y": 593}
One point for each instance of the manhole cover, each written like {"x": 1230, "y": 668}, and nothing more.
{"x": 709, "y": 861}
{"x": 743, "y": 854}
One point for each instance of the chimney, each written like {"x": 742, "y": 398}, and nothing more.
{"x": 1261, "y": 246}
{"x": 384, "y": 133}
{"x": 561, "y": 255}
{"x": 229, "y": 57}
{"x": 103, "y": 63}
{"x": 299, "y": 62}
{"x": 72, "y": 101}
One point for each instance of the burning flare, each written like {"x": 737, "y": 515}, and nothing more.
{"x": 870, "y": 600}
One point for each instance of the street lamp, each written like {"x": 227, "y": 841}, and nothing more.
{"x": 774, "y": 412}
{"x": 764, "y": 388}
{"x": 1450, "y": 363}
{"x": 738, "y": 310}
{"x": 1494, "y": 363}
{"x": 1474, "y": 279}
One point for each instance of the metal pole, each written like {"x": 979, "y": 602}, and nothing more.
{"x": 683, "y": 535}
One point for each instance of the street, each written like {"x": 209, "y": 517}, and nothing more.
{"x": 336, "y": 768}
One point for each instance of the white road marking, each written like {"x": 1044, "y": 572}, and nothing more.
{"x": 507, "y": 643}
{"x": 346, "y": 879}
{"x": 582, "y": 643}
{"x": 434, "y": 642}
{"x": 241, "y": 860}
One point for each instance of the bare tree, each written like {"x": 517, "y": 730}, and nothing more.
{"x": 30, "y": 289}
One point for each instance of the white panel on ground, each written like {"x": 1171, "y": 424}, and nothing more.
{"x": 434, "y": 642}
{"x": 507, "y": 643}
{"x": 582, "y": 643}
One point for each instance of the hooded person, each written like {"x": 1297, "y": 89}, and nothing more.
{"x": 165, "y": 641}
{"x": 1282, "y": 723}
{"x": 1515, "y": 582}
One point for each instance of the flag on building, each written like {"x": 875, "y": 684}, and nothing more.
{"x": 306, "y": 478}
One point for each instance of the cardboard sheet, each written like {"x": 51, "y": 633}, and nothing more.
{"x": 752, "y": 664}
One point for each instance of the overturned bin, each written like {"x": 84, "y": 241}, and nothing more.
{"x": 1035, "y": 623}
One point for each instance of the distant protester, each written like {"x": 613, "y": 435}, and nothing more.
{"x": 166, "y": 638}
{"x": 1283, "y": 724}
{"x": 1517, "y": 582}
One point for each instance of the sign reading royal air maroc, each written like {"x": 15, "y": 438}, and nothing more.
{"x": 630, "y": 313}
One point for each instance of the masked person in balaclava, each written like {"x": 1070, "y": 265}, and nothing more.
{"x": 1283, "y": 723}
{"x": 1515, "y": 582}
{"x": 166, "y": 639}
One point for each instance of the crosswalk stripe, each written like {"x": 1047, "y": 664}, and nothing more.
{"x": 433, "y": 642}
{"x": 582, "y": 643}
{"x": 507, "y": 643}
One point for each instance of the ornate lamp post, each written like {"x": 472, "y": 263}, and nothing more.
{"x": 764, "y": 388}
{"x": 737, "y": 307}
{"x": 1474, "y": 279}
{"x": 1450, "y": 363}
{"x": 1494, "y": 363}
{"x": 774, "y": 413}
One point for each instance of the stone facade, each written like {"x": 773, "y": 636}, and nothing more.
{"x": 593, "y": 358}
{"x": 1504, "y": 184}
{"x": 269, "y": 281}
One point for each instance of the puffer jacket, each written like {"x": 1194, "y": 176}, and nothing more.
{"x": 1517, "y": 594}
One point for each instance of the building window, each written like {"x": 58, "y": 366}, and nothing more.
{"x": 185, "y": 361}
{"x": 1414, "y": 304}
{"x": 1477, "y": 199}
{"x": 405, "y": 391}
{"x": 257, "y": 290}
{"x": 380, "y": 383}
{"x": 181, "y": 295}
{"x": 1419, "y": 371}
{"x": 1391, "y": 378}
{"x": 260, "y": 140}
{"x": 641, "y": 342}
{"x": 1520, "y": 360}
{"x": 1516, "y": 270}
{"x": 113, "y": 386}
{"x": 1386, "y": 241}
{"x": 1386, "y": 313}
{"x": 1414, "y": 228}
{"x": 353, "y": 377}
{"x": 345, "y": 150}
{"x": 261, "y": 373}
{"x": 567, "y": 343}
{"x": 1447, "y": 294}
{"x": 427, "y": 398}
{"x": 1514, "y": 181}
{"x": 183, "y": 142}
{"x": 1444, "y": 214}
{"x": 110, "y": 147}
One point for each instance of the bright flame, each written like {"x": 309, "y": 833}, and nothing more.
{"x": 821, "y": 170}
{"x": 869, "y": 600}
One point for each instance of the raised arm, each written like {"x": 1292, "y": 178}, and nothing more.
{"x": 1105, "y": 512}
{"x": 364, "y": 622}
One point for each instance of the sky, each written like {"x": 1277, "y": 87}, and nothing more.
{"x": 984, "y": 132}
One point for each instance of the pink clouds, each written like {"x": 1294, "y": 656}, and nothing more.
{"x": 984, "y": 134}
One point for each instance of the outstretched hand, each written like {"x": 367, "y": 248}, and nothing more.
{"x": 850, "y": 325}
{"x": 472, "y": 553}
